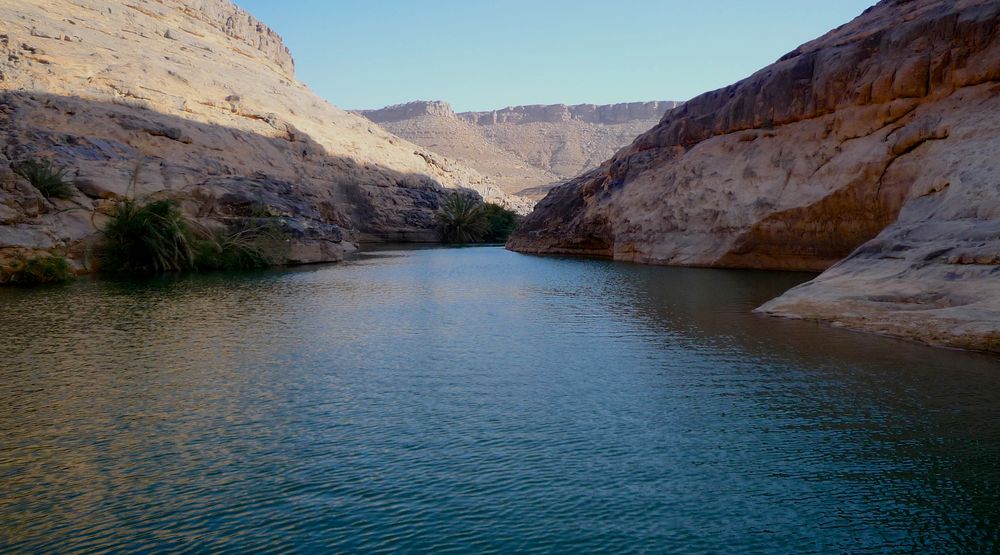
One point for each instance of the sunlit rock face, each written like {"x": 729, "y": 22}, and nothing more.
{"x": 524, "y": 149}
{"x": 874, "y": 147}
{"x": 202, "y": 99}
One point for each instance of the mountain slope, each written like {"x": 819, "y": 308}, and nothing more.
{"x": 882, "y": 135}
{"x": 525, "y": 149}
{"x": 203, "y": 98}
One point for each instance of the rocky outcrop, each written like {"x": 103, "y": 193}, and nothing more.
{"x": 525, "y": 149}
{"x": 410, "y": 110}
{"x": 202, "y": 98}
{"x": 237, "y": 23}
{"x": 609, "y": 114}
{"x": 877, "y": 142}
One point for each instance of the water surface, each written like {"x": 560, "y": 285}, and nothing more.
{"x": 472, "y": 400}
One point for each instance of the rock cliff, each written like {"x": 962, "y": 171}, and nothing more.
{"x": 873, "y": 149}
{"x": 202, "y": 98}
{"x": 237, "y": 23}
{"x": 524, "y": 149}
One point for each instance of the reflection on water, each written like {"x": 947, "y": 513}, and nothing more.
{"x": 480, "y": 400}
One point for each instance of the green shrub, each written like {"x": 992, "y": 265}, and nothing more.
{"x": 245, "y": 250}
{"x": 462, "y": 220}
{"x": 147, "y": 237}
{"x": 156, "y": 237}
{"x": 47, "y": 269}
{"x": 48, "y": 179}
{"x": 500, "y": 223}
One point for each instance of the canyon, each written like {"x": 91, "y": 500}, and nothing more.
{"x": 197, "y": 101}
{"x": 524, "y": 149}
{"x": 869, "y": 154}
{"x": 676, "y": 350}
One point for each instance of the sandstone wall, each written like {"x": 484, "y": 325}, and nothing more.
{"x": 884, "y": 130}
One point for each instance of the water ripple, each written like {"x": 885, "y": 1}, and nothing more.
{"x": 474, "y": 400}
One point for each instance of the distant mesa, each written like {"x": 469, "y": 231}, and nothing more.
{"x": 607, "y": 114}
{"x": 410, "y": 110}
{"x": 524, "y": 149}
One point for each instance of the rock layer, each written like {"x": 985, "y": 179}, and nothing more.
{"x": 525, "y": 149}
{"x": 608, "y": 114}
{"x": 203, "y": 98}
{"x": 879, "y": 139}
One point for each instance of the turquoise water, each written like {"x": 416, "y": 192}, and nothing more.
{"x": 477, "y": 400}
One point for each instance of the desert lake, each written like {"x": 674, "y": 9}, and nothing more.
{"x": 474, "y": 399}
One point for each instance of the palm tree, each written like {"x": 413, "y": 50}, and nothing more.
{"x": 462, "y": 220}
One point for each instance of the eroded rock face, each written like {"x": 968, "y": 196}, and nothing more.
{"x": 202, "y": 97}
{"x": 239, "y": 24}
{"x": 882, "y": 135}
{"x": 524, "y": 149}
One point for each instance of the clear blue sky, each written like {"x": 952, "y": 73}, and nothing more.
{"x": 488, "y": 54}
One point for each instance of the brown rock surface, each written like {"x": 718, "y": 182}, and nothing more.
{"x": 884, "y": 135}
{"x": 206, "y": 95}
{"x": 525, "y": 149}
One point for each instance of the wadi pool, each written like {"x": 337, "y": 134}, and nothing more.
{"x": 477, "y": 400}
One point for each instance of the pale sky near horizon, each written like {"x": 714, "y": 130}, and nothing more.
{"x": 484, "y": 55}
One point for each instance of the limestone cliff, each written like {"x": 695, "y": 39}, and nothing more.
{"x": 608, "y": 114}
{"x": 877, "y": 142}
{"x": 524, "y": 149}
{"x": 203, "y": 96}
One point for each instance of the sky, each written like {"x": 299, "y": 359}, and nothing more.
{"x": 488, "y": 54}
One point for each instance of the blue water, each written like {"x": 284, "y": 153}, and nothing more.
{"x": 477, "y": 400}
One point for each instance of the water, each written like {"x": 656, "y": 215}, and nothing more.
{"x": 473, "y": 400}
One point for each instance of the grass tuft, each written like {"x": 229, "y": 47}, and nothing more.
{"x": 48, "y": 179}
{"x": 35, "y": 271}
{"x": 243, "y": 250}
{"x": 156, "y": 237}
{"x": 147, "y": 237}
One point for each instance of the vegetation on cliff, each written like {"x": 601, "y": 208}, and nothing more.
{"x": 51, "y": 181}
{"x": 155, "y": 236}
